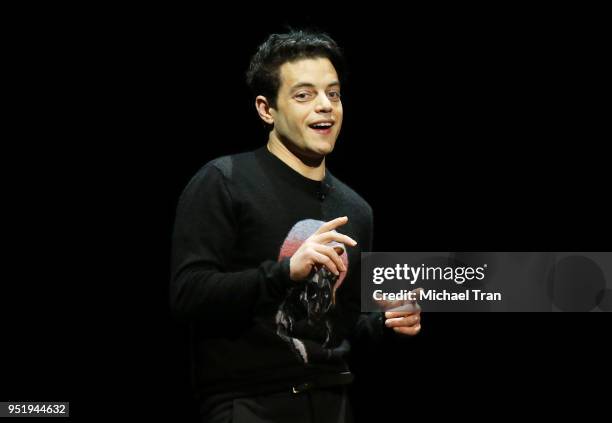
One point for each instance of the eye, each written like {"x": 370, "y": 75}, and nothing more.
{"x": 303, "y": 96}
{"x": 334, "y": 95}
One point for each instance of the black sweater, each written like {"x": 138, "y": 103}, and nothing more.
{"x": 238, "y": 221}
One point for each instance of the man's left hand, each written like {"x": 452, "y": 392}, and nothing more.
{"x": 402, "y": 322}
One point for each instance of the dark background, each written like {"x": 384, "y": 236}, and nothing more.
{"x": 466, "y": 130}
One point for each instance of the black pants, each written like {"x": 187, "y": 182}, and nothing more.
{"x": 330, "y": 405}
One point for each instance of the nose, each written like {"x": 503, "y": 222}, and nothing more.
{"x": 323, "y": 104}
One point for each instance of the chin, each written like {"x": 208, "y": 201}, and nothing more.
{"x": 322, "y": 148}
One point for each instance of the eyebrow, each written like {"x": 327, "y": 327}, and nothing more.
{"x": 309, "y": 85}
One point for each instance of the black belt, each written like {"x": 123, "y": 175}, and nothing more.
{"x": 324, "y": 381}
{"x": 319, "y": 381}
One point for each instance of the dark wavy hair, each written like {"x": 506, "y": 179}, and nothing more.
{"x": 263, "y": 75}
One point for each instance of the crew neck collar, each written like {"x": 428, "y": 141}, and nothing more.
{"x": 291, "y": 175}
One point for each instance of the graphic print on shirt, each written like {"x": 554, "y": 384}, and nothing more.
{"x": 302, "y": 319}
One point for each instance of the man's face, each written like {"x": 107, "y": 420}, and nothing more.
{"x": 308, "y": 113}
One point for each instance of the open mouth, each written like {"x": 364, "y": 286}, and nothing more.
{"x": 322, "y": 127}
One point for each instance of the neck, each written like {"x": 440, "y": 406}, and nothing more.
{"x": 311, "y": 169}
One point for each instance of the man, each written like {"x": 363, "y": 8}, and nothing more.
{"x": 266, "y": 252}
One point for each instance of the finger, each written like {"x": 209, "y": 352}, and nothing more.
{"x": 332, "y": 254}
{"x": 393, "y": 314}
{"x": 402, "y": 322}
{"x": 332, "y": 224}
{"x": 388, "y": 305}
{"x": 327, "y": 237}
{"x": 399, "y": 306}
{"x": 326, "y": 261}
{"x": 411, "y": 330}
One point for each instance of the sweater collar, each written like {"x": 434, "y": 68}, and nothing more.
{"x": 293, "y": 177}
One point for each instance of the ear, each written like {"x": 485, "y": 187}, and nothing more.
{"x": 263, "y": 109}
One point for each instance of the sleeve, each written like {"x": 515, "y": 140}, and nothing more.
{"x": 205, "y": 234}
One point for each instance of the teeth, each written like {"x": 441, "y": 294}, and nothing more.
{"x": 322, "y": 125}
